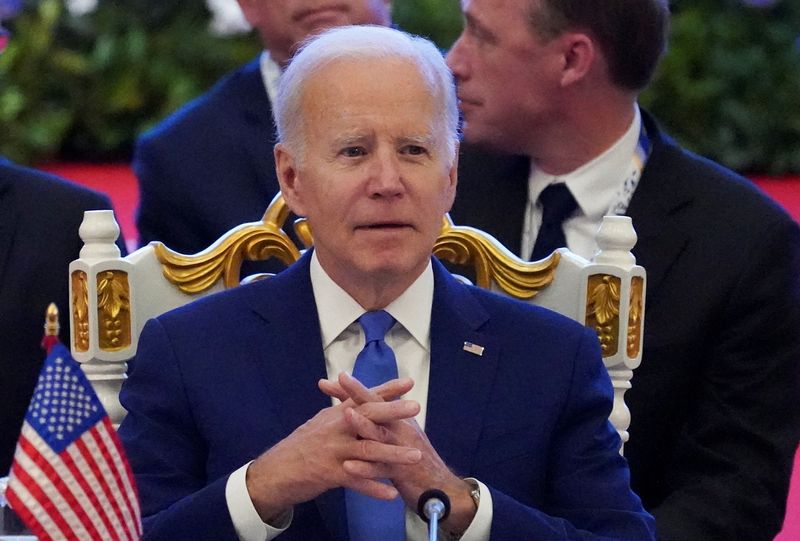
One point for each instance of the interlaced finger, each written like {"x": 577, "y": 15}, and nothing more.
{"x": 375, "y": 451}
{"x": 388, "y": 391}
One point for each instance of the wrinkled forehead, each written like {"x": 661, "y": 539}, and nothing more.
{"x": 379, "y": 88}
{"x": 367, "y": 101}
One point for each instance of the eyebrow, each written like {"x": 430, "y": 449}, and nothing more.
{"x": 350, "y": 139}
{"x": 420, "y": 140}
{"x": 479, "y": 27}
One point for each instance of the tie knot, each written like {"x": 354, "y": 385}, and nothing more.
{"x": 376, "y": 324}
{"x": 557, "y": 203}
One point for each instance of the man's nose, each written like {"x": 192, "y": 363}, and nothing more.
{"x": 455, "y": 59}
{"x": 386, "y": 179}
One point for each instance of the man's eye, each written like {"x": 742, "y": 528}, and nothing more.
{"x": 415, "y": 150}
{"x": 480, "y": 35}
{"x": 353, "y": 152}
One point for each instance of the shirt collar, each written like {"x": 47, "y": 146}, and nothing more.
{"x": 594, "y": 184}
{"x": 338, "y": 310}
{"x": 270, "y": 73}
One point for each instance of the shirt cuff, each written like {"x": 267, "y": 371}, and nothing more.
{"x": 246, "y": 521}
{"x": 481, "y": 526}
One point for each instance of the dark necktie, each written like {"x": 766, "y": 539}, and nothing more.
{"x": 557, "y": 205}
{"x": 370, "y": 519}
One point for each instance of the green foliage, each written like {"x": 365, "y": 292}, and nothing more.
{"x": 438, "y": 20}
{"x": 84, "y": 87}
{"x": 729, "y": 87}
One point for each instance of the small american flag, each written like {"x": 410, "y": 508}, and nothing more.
{"x": 70, "y": 478}
{"x": 475, "y": 349}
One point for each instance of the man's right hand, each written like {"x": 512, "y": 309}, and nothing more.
{"x": 309, "y": 460}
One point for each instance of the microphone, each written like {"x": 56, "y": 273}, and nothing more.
{"x": 433, "y": 505}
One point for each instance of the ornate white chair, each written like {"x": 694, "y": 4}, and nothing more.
{"x": 112, "y": 297}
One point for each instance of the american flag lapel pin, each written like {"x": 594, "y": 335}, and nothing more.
{"x": 475, "y": 349}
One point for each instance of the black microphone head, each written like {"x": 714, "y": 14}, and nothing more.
{"x": 427, "y": 496}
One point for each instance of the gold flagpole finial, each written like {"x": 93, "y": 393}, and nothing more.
{"x": 51, "y": 324}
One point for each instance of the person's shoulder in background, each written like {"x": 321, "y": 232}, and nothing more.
{"x": 51, "y": 205}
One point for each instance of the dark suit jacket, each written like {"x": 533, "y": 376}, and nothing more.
{"x": 216, "y": 383}
{"x": 714, "y": 403}
{"x": 39, "y": 219}
{"x": 208, "y": 167}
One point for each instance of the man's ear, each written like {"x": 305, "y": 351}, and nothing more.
{"x": 580, "y": 55}
{"x": 453, "y": 176}
{"x": 286, "y": 169}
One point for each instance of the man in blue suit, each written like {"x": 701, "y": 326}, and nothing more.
{"x": 504, "y": 405}
{"x": 209, "y": 167}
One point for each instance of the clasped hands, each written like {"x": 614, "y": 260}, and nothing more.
{"x": 369, "y": 436}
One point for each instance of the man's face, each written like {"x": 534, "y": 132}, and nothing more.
{"x": 374, "y": 177}
{"x": 508, "y": 79}
{"x": 283, "y": 24}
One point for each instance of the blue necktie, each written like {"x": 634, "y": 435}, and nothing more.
{"x": 558, "y": 204}
{"x": 370, "y": 519}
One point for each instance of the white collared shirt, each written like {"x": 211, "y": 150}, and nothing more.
{"x": 270, "y": 74}
{"x": 342, "y": 340}
{"x": 594, "y": 186}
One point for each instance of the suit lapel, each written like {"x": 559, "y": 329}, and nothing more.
{"x": 659, "y": 196}
{"x": 458, "y": 379}
{"x": 492, "y": 194}
{"x": 286, "y": 305}
{"x": 8, "y": 217}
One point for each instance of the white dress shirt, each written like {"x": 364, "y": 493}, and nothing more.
{"x": 270, "y": 73}
{"x": 595, "y": 186}
{"x": 342, "y": 340}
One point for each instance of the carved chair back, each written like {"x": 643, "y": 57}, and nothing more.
{"x": 112, "y": 297}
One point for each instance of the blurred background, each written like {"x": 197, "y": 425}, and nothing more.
{"x": 81, "y": 78}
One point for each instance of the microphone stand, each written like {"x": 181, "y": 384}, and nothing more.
{"x": 433, "y": 505}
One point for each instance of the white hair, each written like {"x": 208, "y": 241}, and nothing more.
{"x": 362, "y": 42}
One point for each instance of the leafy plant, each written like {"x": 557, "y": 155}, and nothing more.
{"x": 729, "y": 87}
{"x": 83, "y": 87}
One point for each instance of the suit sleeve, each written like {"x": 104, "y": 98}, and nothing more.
{"x": 589, "y": 495}
{"x": 166, "y": 451}
{"x": 731, "y": 469}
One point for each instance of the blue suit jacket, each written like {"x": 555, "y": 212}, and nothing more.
{"x": 208, "y": 167}
{"x": 216, "y": 383}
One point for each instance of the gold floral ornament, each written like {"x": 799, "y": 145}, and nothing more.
{"x": 254, "y": 241}
{"x": 80, "y": 311}
{"x": 633, "y": 344}
{"x": 602, "y": 311}
{"x": 113, "y": 310}
{"x": 462, "y": 245}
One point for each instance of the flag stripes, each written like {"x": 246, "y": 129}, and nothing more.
{"x": 100, "y": 479}
{"x": 28, "y": 469}
{"x": 70, "y": 479}
{"x": 121, "y": 468}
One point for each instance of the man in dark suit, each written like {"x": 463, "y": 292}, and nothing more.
{"x": 39, "y": 219}
{"x": 512, "y": 397}
{"x": 713, "y": 404}
{"x": 209, "y": 167}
